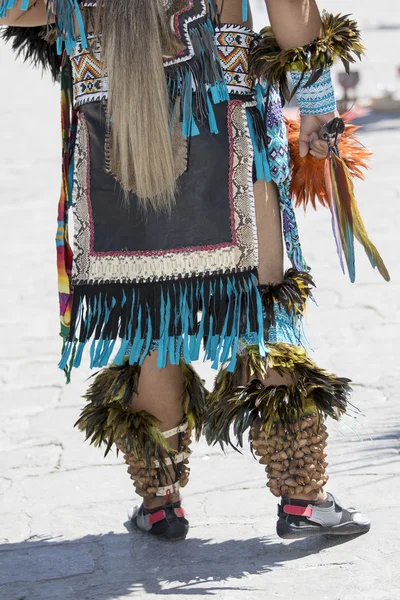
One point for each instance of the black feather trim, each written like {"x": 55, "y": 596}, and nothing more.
{"x": 292, "y": 295}
{"x": 30, "y": 45}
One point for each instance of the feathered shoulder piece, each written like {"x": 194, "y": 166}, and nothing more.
{"x": 341, "y": 40}
{"x": 30, "y": 44}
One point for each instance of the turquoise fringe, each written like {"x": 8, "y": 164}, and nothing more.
{"x": 66, "y": 12}
{"x": 245, "y": 10}
{"x": 200, "y": 82}
{"x": 287, "y": 329}
{"x": 6, "y": 5}
{"x": 168, "y": 313}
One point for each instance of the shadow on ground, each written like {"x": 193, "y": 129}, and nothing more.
{"x": 387, "y": 121}
{"x": 114, "y": 565}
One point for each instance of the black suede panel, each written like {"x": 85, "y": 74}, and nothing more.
{"x": 202, "y": 216}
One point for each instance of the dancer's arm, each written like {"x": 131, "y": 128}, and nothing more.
{"x": 294, "y": 22}
{"x": 33, "y": 17}
{"x": 297, "y": 23}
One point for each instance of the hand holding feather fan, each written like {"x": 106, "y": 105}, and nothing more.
{"x": 330, "y": 182}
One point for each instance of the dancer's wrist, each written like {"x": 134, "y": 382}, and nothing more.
{"x": 340, "y": 40}
{"x": 315, "y": 99}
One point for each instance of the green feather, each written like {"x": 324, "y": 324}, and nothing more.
{"x": 312, "y": 390}
{"x": 109, "y": 416}
{"x": 341, "y": 40}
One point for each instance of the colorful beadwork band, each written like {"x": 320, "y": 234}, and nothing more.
{"x": 317, "y": 98}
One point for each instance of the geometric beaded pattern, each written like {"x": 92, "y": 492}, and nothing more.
{"x": 287, "y": 329}
{"x": 90, "y": 83}
{"x": 318, "y": 98}
{"x": 279, "y": 161}
{"x": 233, "y": 43}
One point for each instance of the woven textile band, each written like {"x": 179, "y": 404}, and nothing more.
{"x": 318, "y": 98}
{"x": 234, "y": 43}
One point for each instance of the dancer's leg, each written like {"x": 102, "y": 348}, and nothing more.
{"x": 160, "y": 394}
{"x": 271, "y": 271}
{"x": 284, "y": 397}
{"x": 269, "y": 231}
{"x": 270, "y": 244}
{"x": 150, "y": 415}
{"x": 285, "y": 370}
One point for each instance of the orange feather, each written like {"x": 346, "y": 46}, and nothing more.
{"x": 308, "y": 173}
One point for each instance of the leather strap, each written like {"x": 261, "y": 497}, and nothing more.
{"x": 300, "y": 511}
{"x": 177, "y": 459}
{"x": 156, "y": 517}
{"x": 175, "y": 430}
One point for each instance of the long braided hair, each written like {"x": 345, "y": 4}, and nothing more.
{"x": 135, "y": 35}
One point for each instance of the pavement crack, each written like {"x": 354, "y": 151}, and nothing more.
{"x": 47, "y": 444}
{"x": 57, "y": 472}
{"x": 336, "y": 564}
{"x": 374, "y": 309}
{"x": 57, "y": 466}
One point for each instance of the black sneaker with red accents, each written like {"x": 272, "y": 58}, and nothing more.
{"x": 168, "y": 522}
{"x": 299, "y": 519}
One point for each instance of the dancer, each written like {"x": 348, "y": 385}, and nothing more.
{"x": 176, "y": 165}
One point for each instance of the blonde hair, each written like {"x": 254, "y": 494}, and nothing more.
{"x": 135, "y": 34}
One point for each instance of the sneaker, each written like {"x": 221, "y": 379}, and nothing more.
{"x": 298, "y": 519}
{"x": 168, "y": 522}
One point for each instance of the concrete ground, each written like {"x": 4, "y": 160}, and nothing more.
{"x": 63, "y": 526}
